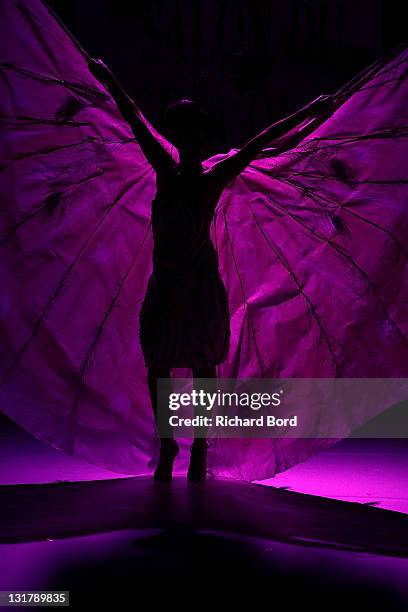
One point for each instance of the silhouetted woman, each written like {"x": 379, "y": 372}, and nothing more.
{"x": 184, "y": 320}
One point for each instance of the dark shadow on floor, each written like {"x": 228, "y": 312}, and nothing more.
{"x": 63, "y": 510}
{"x": 186, "y": 569}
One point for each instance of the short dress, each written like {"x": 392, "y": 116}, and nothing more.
{"x": 184, "y": 319}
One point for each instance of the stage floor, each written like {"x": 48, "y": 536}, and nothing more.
{"x": 98, "y": 535}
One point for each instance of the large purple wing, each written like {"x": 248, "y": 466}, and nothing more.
{"x": 312, "y": 247}
{"x": 76, "y": 248}
{"x": 317, "y": 238}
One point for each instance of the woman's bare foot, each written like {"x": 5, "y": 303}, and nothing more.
{"x": 168, "y": 452}
{"x": 197, "y": 470}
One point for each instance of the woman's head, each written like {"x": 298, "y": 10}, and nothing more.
{"x": 187, "y": 125}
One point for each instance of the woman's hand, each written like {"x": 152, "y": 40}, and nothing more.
{"x": 323, "y": 105}
{"x": 101, "y": 71}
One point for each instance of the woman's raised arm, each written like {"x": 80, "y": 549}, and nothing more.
{"x": 153, "y": 150}
{"x": 230, "y": 168}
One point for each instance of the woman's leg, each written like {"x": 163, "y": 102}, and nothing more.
{"x": 211, "y": 374}
{"x": 168, "y": 447}
{"x": 153, "y": 375}
{"x": 197, "y": 470}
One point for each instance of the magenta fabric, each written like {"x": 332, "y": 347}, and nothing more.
{"x": 312, "y": 245}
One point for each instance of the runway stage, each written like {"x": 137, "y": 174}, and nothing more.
{"x": 67, "y": 525}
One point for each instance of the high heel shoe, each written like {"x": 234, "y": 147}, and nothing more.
{"x": 197, "y": 470}
{"x": 169, "y": 450}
